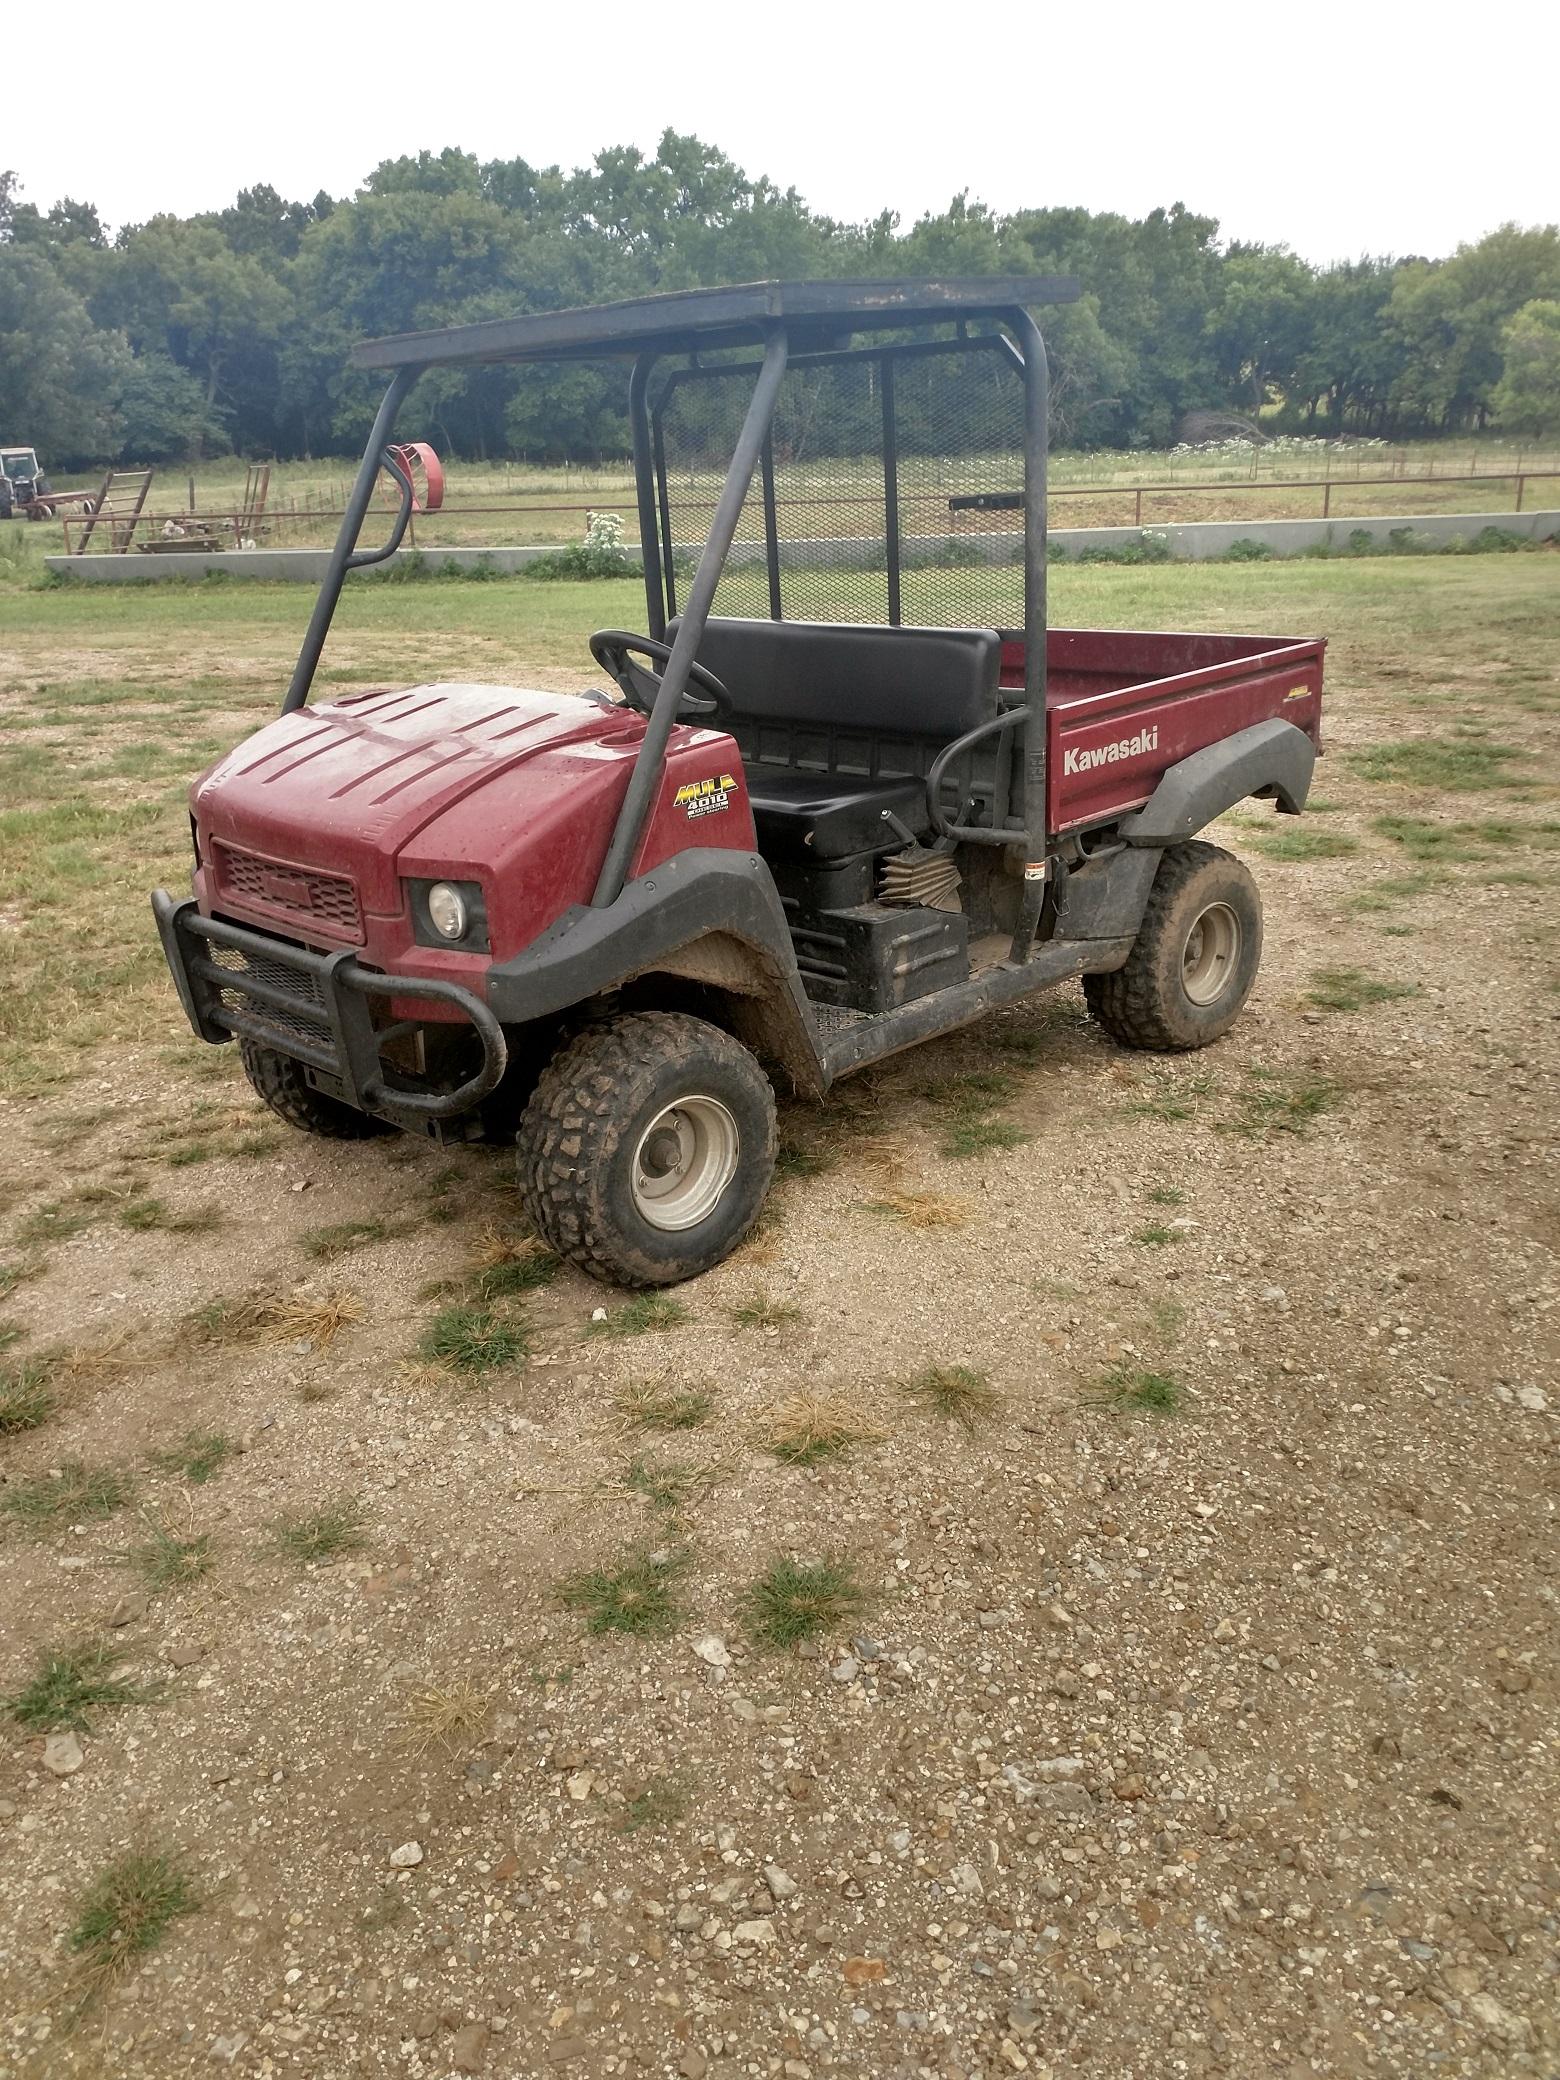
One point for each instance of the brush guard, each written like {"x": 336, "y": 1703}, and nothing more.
{"x": 315, "y": 1007}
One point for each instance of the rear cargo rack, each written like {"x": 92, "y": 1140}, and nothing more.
{"x": 315, "y": 1007}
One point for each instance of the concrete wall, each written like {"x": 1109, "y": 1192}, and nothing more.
{"x": 1192, "y": 541}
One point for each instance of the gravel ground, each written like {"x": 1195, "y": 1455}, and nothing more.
{"x": 1216, "y": 1738}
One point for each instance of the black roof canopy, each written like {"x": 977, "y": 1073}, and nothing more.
{"x": 705, "y": 319}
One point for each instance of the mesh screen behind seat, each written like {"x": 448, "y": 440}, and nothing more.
{"x": 956, "y": 415}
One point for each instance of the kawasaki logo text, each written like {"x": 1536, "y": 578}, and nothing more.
{"x": 1076, "y": 761}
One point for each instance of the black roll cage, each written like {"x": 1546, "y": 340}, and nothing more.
{"x": 798, "y": 325}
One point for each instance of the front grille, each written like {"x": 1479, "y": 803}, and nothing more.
{"x": 310, "y": 1021}
{"x": 328, "y": 900}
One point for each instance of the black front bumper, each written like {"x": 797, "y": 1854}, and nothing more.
{"x": 314, "y": 1007}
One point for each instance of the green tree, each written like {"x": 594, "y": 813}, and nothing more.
{"x": 1527, "y": 397}
{"x": 1257, "y": 326}
{"x": 1347, "y": 360}
{"x": 60, "y": 375}
{"x": 179, "y": 288}
{"x": 1449, "y": 318}
{"x": 163, "y": 413}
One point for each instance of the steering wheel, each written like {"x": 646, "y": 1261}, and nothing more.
{"x": 611, "y": 648}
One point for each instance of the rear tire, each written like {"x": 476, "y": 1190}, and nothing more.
{"x": 281, "y": 1082}
{"x": 647, "y": 1148}
{"x": 1195, "y": 957}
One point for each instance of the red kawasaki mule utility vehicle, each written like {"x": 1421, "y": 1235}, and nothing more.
{"x": 848, "y": 793}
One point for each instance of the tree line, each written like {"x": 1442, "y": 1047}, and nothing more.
{"x": 230, "y": 330}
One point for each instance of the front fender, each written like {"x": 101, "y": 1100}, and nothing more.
{"x": 1270, "y": 756}
{"x": 721, "y": 902}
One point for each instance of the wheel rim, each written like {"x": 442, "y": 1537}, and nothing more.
{"x": 1211, "y": 954}
{"x": 685, "y": 1159}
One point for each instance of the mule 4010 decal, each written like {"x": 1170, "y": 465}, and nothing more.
{"x": 705, "y": 797}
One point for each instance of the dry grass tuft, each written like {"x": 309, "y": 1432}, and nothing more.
{"x": 424, "y": 1372}
{"x": 761, "y": 1310}
{"x": 445, "y": 1717}
{"x": 236, "y": 1318}
{"x": 95, "y": 1364}
{"x": 920, "y": 1209}
{"x": 497, "y": 1247}
{"x": 954, "y": 1393}
{"x": 807, "y": 1427}
{"x": 314, "y": 1318}
{"x": 656, "y": 1404}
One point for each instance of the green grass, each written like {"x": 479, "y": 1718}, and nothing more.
{"x": 1167, "y": 1195}
{"x": 645, "y": 1314}
{"x": 638, "y": 1596}
{"x": 474, "y": 1340}
{"x": 1387, "y": 891}
{"x": 1350, "y": 989}
{"x": 1157, "y": 1235}
{"x": 1171, "y": 1099}
{"x": 166, "y": 1561}
{"x": 761, "y": 1311}
{"x": 26, "y": 1398}
{"x": 143, "y": 1216}
{"x": 954, "y": 1393}
{"x": 1460, "y": 765}
{"x": 655, "y": 1405}
{"x": 661, "y": 1804}
{"x": 68, "y": 1685}
{"x": 128, "y": 1910}
{"x": 1140, "y": 1391}
{"x": 669, "y": 1485}
{"x": 514, "y": 1276}
{"x": 977, "y": 1137}
{"x": 799, "y": 1159}
{"x": 341, "y": 1238}
{"x": 1437, "y": 843}
{"x": 793, "y": 1601}
{"x": 1273, "y": 1103}
{"x": 1293, "y": 843}
{"x": 199, "y": 1455}
{"x": 330, "y": 1532}
{"x": 71, "y": 1493}
{"x": 974, "y": 1090}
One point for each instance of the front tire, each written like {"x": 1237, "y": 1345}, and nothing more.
{"x": 1195, "y": 957}
{"x": 280, "y": 1081}
{"x": 647, "y": 1148}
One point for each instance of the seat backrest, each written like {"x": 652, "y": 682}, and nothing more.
{"x": 897, "y": 682}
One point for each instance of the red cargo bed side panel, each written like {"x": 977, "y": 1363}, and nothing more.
{"x": 1107, "y": 749}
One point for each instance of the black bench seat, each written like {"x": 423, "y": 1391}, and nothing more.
{"x": 814, "y": 703}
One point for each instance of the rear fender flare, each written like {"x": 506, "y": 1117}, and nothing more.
{"x": 1272, "y": 757}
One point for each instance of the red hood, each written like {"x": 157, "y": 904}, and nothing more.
{"x": 519, "y": 790}
{"x": 348, "y": 785}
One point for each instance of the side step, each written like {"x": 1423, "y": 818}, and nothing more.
{"x": 870, "y": 1039}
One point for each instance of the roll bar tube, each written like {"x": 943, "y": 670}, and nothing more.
{"x": 648, "y": 767}
{"x": 650, "y": 548}
{"x": 1037, "y": 406}
{"x": 343, "y": 555}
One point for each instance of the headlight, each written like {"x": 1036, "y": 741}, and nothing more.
{"x": 447, "y": 911}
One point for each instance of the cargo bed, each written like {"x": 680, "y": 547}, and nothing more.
{"x": 1122, "y": 705}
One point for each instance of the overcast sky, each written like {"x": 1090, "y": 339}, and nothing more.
{"x": 1375, "y": 128}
